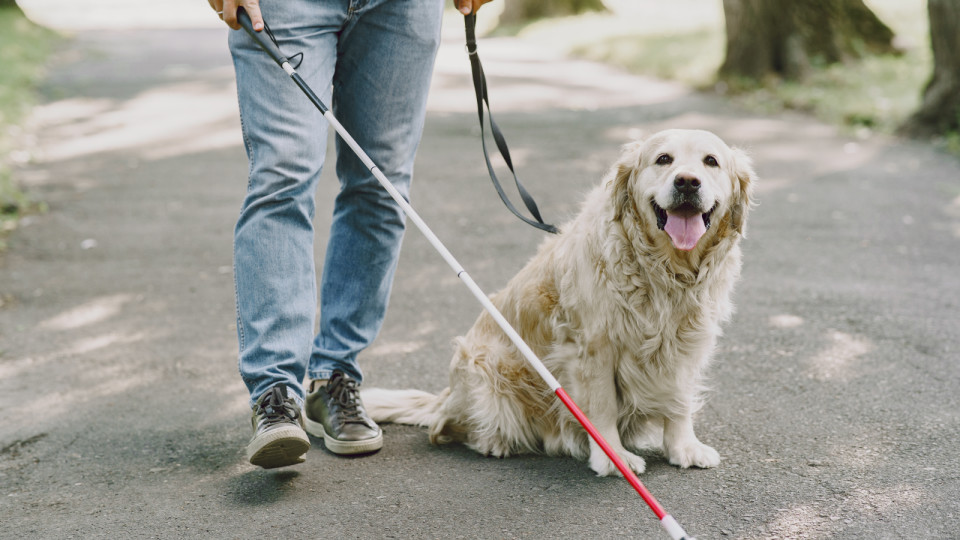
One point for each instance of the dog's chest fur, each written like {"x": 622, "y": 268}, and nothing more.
{"x": 653, "y": 318}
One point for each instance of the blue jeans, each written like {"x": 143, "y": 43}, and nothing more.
{"x": 371, "y": 61}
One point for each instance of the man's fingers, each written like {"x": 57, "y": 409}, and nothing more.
{"x": 217, "y": 6}
{"x": 229, "y": 14}
{"x": 252, "y": 9}
{"x": 469, "y": 6}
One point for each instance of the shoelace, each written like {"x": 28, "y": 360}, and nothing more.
{"x": 275, "y": 408}
{"x": 344, "y": 392}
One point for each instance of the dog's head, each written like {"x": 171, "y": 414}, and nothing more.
{"x": 685, "y": 184}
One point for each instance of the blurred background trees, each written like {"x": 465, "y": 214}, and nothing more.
{"x": 787, "y": 38}
{"x": 870, "y": 65}
{"x": 518, "y": 11}
{"x": 940, "y": 111}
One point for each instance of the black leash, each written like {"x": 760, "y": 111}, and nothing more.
{"x": 480, "y": 86}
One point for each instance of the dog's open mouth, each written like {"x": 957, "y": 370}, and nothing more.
{"x": 685, "y": 224}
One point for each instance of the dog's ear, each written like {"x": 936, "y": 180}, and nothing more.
{"x": 744, "y": 178}
{"x": 623, "y": 170}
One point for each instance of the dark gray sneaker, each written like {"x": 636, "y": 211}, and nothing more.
{"x": 278, "y": 436}
{"x": 335, "y": 412}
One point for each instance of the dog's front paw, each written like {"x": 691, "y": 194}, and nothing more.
{"x": 694, "y": 455}
{"x": 603, "y": 465}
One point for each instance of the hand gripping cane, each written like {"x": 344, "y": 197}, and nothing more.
{"x": 674, "y": 529}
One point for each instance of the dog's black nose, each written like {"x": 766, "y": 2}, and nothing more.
{"x": 686, "y": 184}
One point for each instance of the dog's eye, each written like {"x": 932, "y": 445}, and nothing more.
{"x": 711, "y": 161}
{"x": 664, "y": 159}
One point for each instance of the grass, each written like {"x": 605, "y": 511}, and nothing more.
{"x": 24, "y": 49}
{"x": 875, "y": 94}
{"x": 684, "y": 40}
{"x": 691, "y": 57}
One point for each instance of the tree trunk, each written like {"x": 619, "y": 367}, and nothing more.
{"x": 785, "y": 38}
{"x": 940, "y": 111}
{"x": 518, "y": 11}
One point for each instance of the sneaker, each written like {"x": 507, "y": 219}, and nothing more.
{"x": 334, "y": 411}
{"x": 278, "y": 436}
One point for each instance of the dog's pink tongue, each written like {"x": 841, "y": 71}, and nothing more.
{"x": 685, "y": 231}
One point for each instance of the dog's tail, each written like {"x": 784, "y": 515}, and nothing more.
{"x": 414, "y": 407}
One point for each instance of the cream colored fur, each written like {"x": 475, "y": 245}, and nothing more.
{"x": 624, "y": 320}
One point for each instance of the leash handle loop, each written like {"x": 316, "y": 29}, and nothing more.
{"x": 480, "y": 88}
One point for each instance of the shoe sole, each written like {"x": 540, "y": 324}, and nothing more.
{"x": 279, "y": 448}
{"x": 343, "y": 448}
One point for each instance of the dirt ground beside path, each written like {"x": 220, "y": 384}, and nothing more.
{"x": 835, "y": 388}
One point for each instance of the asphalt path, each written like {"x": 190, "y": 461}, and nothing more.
{"x": 834, "y": 394}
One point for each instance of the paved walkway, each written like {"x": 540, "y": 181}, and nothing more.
{"x": 835, "y": 388}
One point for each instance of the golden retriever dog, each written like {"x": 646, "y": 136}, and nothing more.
{"x": 624, "y": 307}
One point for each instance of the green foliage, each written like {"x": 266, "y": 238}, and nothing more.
{"x": 24, "y": 48}
{"x": 877, "y": 93}
{"x": 952, "y": 140}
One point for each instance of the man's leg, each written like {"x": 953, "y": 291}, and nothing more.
{"x": 386, "y": 57}
{"x": 285, "y": 139}
{"x": 384, "y": 67}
